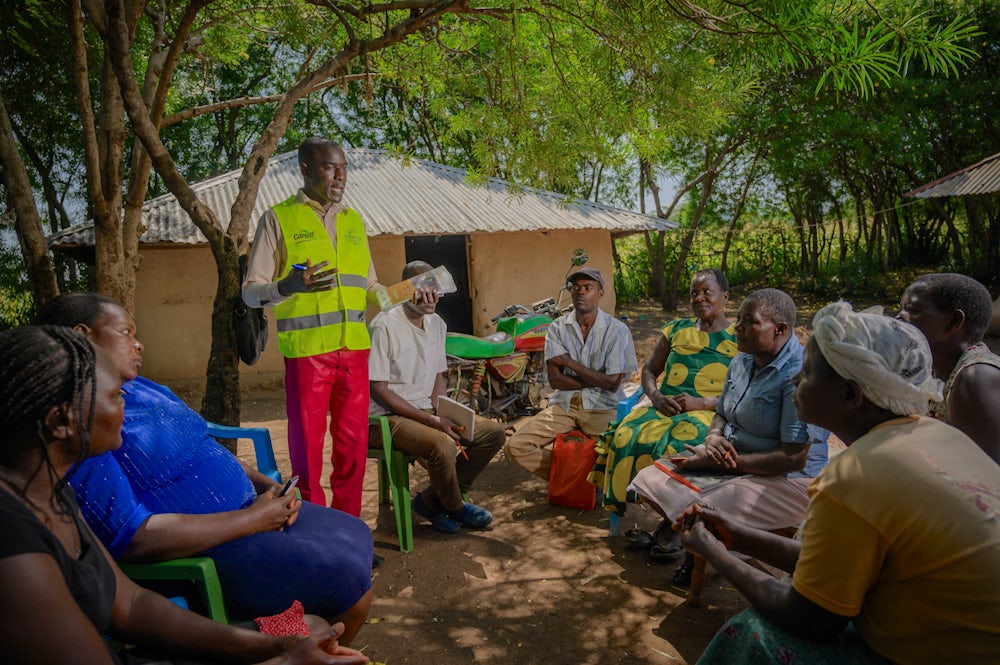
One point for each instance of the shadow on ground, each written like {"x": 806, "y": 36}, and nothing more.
{"x": 544, "y": 585}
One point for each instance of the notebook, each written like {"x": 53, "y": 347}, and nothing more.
{"x": 458, "y": 413}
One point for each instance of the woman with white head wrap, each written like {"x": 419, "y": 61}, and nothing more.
{"x": 888, "y": 359}
{"x": 902, "y": 534}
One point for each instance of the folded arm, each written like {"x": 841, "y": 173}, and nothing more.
{"x": 583, "y": 377}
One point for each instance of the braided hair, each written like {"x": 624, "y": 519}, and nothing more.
{"x": 42, "y": 367}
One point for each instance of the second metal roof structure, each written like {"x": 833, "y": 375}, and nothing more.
{"x": 980, "y": 178}
{"x": 395, "y": 197}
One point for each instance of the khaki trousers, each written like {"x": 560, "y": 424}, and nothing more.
{"x": 531, "y": 445}
{"x": 450, "y": 476}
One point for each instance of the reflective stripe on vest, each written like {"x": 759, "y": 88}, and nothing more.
{"x": 311, "y": 324}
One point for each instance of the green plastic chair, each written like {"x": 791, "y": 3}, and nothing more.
{"x": 201, "y": 570}
{"x": 394, "y": 475}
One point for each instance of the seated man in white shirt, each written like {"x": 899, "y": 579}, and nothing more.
{"x": 406, "y": 371}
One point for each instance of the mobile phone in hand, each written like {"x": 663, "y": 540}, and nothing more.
{"x": 289, "y": 486}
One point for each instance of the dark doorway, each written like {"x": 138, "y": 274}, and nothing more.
{"x": 449, "y": 251}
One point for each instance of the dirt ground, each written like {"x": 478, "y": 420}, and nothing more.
{"x": 545, "y": 585}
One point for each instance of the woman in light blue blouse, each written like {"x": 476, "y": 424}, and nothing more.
{"x": 755, "y": 434}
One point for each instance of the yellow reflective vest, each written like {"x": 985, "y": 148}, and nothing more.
{"x": 310, "y": 324}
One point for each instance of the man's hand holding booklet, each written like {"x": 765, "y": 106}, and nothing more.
{"x": 459, "y": 414}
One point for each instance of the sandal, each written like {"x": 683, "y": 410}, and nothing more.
{"x": 643, "y": 540}
{"x": 682, "y": 576}
{"x": 639, "y": 539}
{"x": 665, "y": 554}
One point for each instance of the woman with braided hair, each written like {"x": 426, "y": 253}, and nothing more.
{"x": 171, "y": 491}
{"x": 60, "y": 401}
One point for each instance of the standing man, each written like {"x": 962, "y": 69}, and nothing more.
{"x": 588, "y": 353}
{"x": 310, "y": 261}
{"x": 406, "y": 368}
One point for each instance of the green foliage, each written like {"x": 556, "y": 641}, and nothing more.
{"x": 16, "y": 303}
{"x": 632, "y": 279}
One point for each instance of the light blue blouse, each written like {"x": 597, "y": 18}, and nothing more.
{"x": 759, "y": 411}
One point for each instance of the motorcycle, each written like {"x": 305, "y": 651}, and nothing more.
{"x": 502, "y": 375}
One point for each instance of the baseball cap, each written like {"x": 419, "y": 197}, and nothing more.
{"x": 589, "y": 273}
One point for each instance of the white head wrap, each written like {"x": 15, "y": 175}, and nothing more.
{"x": 888, "y": 358}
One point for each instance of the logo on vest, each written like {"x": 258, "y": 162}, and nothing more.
{"x": 302, "y": 236}
{"x": 354, "y": 237}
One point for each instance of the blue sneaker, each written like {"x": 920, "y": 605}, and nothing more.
{"x": 440, "y": 521}
{"x": 472, "y": 516}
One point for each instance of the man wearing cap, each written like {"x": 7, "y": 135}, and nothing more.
{"x": 588, "y": 353}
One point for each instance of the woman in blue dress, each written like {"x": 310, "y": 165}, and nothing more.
{"x": 171, "y": 491}
{"x": 60, "y": 400}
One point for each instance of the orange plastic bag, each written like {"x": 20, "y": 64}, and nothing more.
{"x": 573, "y": 457}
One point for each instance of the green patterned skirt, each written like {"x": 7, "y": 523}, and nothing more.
{"x": 749, "y": 639}
{"x": 643, "y": 436}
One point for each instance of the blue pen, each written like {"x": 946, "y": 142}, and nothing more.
{"x": 299, "y": 266}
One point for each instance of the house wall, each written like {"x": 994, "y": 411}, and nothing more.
{"x": 176, "y": 287}
{"x": 174, "y": 295}
{"x": 525, "y": 267}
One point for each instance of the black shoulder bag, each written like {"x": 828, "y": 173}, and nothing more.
{"x": 250, "y": 324}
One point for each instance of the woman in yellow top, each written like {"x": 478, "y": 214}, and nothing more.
{"x": 898, "y": 557}
{"x": 693, "y": 355}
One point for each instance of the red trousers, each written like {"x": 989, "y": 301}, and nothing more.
{"x": 334, "y": 383}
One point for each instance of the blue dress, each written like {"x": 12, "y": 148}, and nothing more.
{"x": 168, "y": 464}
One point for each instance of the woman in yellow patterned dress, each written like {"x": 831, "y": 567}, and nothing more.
{"x": 695, "y": 353}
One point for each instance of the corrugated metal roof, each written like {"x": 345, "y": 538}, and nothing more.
{"x": 414, "y": 197}
{"x": 980, "y": 178}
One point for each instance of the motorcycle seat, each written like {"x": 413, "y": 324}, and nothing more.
{"x": 472, "y": 347}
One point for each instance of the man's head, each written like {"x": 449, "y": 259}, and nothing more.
{"x": 423, "y": 307}
{"x": 587, "y": 287}
{"x": 324, "y": 170}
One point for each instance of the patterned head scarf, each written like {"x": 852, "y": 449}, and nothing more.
{"x": 889, "y": 359}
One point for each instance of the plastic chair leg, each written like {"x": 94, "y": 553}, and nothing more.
{"x": 401, "y": 501}
{"x": 615, "y": 528}
{"x": 383, "y": 483}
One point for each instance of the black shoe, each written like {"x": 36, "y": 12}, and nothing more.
{"x": 377, "y": 560}
{"x": 682, "y": 576}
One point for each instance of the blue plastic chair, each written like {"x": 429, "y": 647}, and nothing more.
{"x": 201, "y": 570}
{"x": 623, "y": 409}
{"x": 262, "y": 448}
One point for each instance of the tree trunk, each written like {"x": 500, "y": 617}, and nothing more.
{"x": 222, "y": 398}
{"x": 30, "y": 233}
{"x": 669, "y": 301}
{"x": 737, "y": 213}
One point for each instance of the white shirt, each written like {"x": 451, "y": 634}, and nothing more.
{"x": 406, "y": 356}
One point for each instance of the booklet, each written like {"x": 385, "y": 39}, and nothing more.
{"x": 438, "y": 279}
{"x": 458, "y": 413}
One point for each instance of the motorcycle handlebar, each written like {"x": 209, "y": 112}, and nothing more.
{"x": 510, "y": 310}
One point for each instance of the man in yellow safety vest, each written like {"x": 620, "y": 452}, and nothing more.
{"x": 310, "y": 261}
